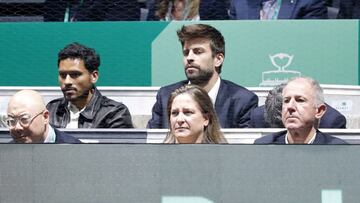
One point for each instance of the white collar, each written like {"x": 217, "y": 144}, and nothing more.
{"x": 311, "y": 141}
{"x": 214, "y": 91}
{"x": 51, "y": 136}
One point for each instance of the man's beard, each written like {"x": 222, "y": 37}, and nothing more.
{"x": 201, "y": 78}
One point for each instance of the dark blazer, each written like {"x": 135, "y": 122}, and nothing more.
{"x": 62, "y": 137}
{"x": 92, "y": 10}
{"x": 331, "y": 119}
{"x": 290, "y": 9}
{"x": 279, "y": 138}
{"x": 233, "y": 105}
{"x": 214, "y": 9}
{"x": 349, "y": 9}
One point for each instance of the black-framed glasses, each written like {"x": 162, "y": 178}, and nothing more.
{"x": 24, "y": 120}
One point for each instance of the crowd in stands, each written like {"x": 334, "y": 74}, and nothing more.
{"x": 166, "y": 10}
{"x": 194, "y": 110}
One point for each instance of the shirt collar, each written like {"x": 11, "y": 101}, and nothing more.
{"x": 51, "y": 136}
{"x": 311, "y": 141}
{"x": 214, "y": 90}
{"x": 73, "y": 109}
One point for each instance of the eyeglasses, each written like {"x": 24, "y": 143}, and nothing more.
{"x": 24, "y": 120}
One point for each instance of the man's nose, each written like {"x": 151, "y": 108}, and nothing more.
{"x": 190, "y": 56}
{"x": 291, "y": 105}
{"x": 17, "y": 126}
{"x": 68, "y": 79}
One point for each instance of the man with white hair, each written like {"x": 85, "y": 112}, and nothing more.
{"x": 302, "y": 108}
{"x": 28, "y": 120}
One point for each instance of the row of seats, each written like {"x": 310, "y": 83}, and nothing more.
{"x": 139, "y": 100}
{"x": 156, "y": 136}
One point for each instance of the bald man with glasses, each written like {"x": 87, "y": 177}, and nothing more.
{"x": 28, "y": 120}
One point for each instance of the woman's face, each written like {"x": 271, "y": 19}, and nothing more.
{"x": 187, "y": 122}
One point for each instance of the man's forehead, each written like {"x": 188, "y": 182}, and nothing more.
{"x": 297, "y": 88}
{"x": 18, "y": 110}
{"x": 197, "y": 42}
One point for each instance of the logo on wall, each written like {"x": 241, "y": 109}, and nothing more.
{"x": 275, "y": 77}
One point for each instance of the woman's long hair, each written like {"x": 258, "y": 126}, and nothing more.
{"x": 165, "y": 8}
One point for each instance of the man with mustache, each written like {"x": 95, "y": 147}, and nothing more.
{"x": 83, "y": 106}
{"x": 28, "y": 120}
{"x": 302, "y": 108}
{"x": 203, "y": 49}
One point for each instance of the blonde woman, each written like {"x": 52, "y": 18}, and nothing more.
{"x": 192, "y": 118}
{"x": 178, "y": 10}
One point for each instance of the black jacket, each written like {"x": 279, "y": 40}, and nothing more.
{"x": 101, "y": 112}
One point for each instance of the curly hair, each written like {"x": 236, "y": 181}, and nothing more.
{"x": 78, "y": 51}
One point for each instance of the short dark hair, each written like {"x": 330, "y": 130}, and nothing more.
{"x": 78, "y": 51}
{"x": 217, "y": 42}
{"x": 212, "y": 133}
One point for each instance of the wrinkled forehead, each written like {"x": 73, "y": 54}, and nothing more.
{"x": 18, "y": 110}
{"x": 18, "y": 107}
{"x": 298, "y": 88}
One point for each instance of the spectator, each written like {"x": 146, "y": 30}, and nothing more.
{"x": 192, "y": 118}
{"x": 302, "y": 108}
{"x": 277, "y": 9}
{"x": 269, "y": 115}
{"x": 83, "y": 106}
{"x": 203, "y": 55}
{"x": 28, "y": 120}
{"x": 168, "y": 10}
{"x": 94, "y": 10}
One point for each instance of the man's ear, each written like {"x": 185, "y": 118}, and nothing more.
{"x": 320, "y": 111}
{"x": 219, "y": 59}
{"x": 46, "y": 116}
{"x": 94, "y": 76}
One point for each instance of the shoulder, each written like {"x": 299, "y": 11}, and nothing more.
{"x": 170, "y": 88}
{"x": 174, "y": 85}
{"x": 56, "y": 105}
{"x": 258, "y": 111}
{"x": 332, "y": 118}
{"x": 257, "y": 117}
{"x": 233, "y": 87}
{"x": 323, "y": 138}
{"x": 107, "y": 102}
{"x": 275, "y": 138}
{"x": 57, "y": 101}
{"x": 62, "y": 137}
{"x": 237, "y": 92}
